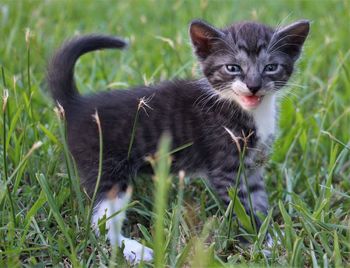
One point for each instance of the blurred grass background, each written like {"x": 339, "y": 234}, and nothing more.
{"x": 308, "y": 178}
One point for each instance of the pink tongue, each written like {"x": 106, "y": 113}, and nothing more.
{"x": 251, "y": 100}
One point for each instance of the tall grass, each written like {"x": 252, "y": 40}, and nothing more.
{"x": 44, "y": 214}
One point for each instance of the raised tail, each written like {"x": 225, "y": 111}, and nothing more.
{"x": 60, "y": 75}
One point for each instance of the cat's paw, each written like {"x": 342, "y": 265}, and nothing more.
{"x": 269, "y": 241}
{"x": 134, "y": 252}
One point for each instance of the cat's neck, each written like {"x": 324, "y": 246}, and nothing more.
{"x": 265, "y": 118}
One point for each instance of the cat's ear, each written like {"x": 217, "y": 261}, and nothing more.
{"x": 290, "y": 39}
{"x": 202, "y": 36}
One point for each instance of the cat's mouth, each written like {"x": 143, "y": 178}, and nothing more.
{"x": 250, "y": 102}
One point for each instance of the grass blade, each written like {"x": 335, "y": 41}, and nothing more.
{"x": 57, "y": 215}
{"x": 240, "y": 212}
{"x": 162, "y": 181}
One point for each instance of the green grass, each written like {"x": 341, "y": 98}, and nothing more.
{"x": 43, "y": 212}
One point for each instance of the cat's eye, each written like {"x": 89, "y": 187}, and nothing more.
{"x": 271, "y": 68}
{"x": 233, "y": 69}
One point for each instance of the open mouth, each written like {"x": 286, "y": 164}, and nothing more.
{"x": 251, "y": 101}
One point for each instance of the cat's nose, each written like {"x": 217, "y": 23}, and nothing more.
{"x": 254, "y": 87}
{"x": 253, "y": 83}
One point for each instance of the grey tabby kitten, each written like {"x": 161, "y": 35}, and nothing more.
{"x": 233, "y": 106}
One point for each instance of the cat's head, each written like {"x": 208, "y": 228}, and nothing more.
{"x": 248, "y": 60}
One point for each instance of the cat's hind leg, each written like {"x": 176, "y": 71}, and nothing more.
{"x": 112, "y": 206}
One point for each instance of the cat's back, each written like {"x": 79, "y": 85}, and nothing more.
{"x": 160, "y": 107}
{"x": 125, "y": 103}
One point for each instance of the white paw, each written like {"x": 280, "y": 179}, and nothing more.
{"x": 268, "y": 245}
{"x": 269, "y": 241}
{"x": 134, "y": 252}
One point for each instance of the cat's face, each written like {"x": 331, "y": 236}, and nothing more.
{"x": 247, "y": 61}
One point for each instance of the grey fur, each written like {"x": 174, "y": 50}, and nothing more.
{"x": 191, "y": 111}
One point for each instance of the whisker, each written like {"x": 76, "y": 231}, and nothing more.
{"x": 271, "y": 46}
{"x": 234, "y": 50}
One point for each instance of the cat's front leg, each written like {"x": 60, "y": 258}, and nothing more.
{"x": 224, "y": 178}
{"x": 253, "y": 187}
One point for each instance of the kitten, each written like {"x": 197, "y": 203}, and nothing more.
{"x": 233, "y": 106}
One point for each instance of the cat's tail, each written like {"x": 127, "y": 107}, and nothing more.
{"x": 60, "y": 76}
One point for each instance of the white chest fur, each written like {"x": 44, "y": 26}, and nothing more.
{"x": 265, "y": 118}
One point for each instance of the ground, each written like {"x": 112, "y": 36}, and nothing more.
{"x": 43, "y": 212}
